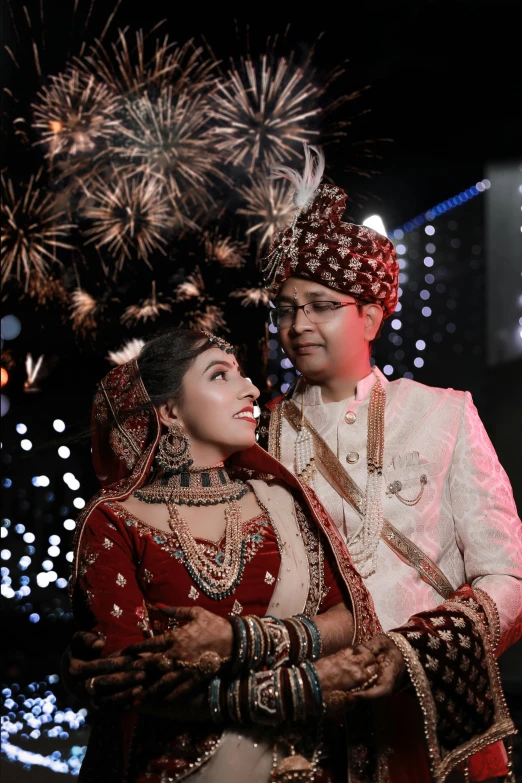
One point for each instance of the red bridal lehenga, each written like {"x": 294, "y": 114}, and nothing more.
{"x": 295, "y": 562}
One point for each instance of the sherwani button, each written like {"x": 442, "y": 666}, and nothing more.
{"x": 352, "y": 457}
{"x": 350, "y": 417}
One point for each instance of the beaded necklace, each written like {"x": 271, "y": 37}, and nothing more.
{"x": 204, "y": 487}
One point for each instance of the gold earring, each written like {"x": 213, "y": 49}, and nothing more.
{"x": 173, "y": 454}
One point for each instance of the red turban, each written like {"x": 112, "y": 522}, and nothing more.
{"x": 349, "y": 258}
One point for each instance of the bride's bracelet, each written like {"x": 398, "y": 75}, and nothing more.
{"x": 267, "y": 642}
{"x": 270, "y": 698}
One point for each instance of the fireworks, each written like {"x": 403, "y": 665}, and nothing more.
{"x": 147, "y": 309}
{"x": 228, "y": 253}
{"x": 128, "y": 217}
{"x": 34, "y": 372}
{"x": 269, "y": 206}
{"x": 76, "y": 115}
{"x": 83, "y": 309}
{"x": 194, "y": 286}
{"x": 208, "y": 320}
{"x": 126, "y": 69}
{"x": 252, "y": 296}
{"x": 167, "y": 136}
{"x": 129, "y": 351}
{"x": 264, "y": 112}
{"x": 32, "y": 230}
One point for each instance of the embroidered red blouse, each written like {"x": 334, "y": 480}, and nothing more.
{"x": 126, "y": 564}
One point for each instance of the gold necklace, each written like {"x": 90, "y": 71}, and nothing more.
{"x": 216, "y": 579}
{"x": 197, "y": 486}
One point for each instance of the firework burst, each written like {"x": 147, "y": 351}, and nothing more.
{"x": 76, "y": 115}
{"x": 252, "y": 296}
{"x": 34, "y": 373}
{"x": 128, "y": 217}
{"x": 264, "y": 112}
{"x": 193, "y": 286}
{"x": 126, "y": 69}
{"x": 32, "y": 230}
{"x": 83, "y": 310}
{"x": 210, "y": 319}
{"x": 168, "y": 136}
{"x": 228, "y": 253}
{"x": 269, "y": 206}
{"x": 130, "y": 350}
{"x": 147, "y": 309}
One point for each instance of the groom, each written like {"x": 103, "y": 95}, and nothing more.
{"x": 406, "y": 471}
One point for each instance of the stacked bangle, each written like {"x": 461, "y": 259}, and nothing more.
{"x": 268, "y": 698}
{"x": 268, "y": 642}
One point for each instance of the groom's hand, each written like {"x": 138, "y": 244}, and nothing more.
{"x": 392, "y": 673}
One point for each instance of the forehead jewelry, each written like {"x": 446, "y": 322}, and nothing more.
{"x": 219, "y": 342}
{"x": 295, "y": 293}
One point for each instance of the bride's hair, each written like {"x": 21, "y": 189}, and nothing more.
{"x": 166, "y": 358}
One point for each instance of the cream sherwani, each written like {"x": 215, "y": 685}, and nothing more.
{"x": 465, "y": 521}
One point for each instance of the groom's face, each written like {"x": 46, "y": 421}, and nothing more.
{"x": 321, "y": 351}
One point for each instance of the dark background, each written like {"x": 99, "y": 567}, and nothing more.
{"x": 446, "y": 89}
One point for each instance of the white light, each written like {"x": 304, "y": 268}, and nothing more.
{"x": 400, "y": 250}
{"x": 69, "y": 524}
{"x": 26, "y": 444}
{"x": 69, "y": 557}
{"x": 418, "y": 361}
{"x": 64, "y": 452}
{"x": 428, "y": 261}
{"x": 21, "y": 429}
{"x": 396, "y": 324}
{"x": 7, "y": 591}
{"x": 68, "y": 477}
{"x": 54, "y": 540}
{"x": 429, "y": 230}
{"x": 74, "y": 484}
{"x": 387, "y": 369}
{"x": 43, "y": 481}
{"x": 426, "y": 311}
{"x": 78, "y": 502}
{"x": 47, "y": 565}
{"x": 4, "y": 532}
{"x": 486, "y": 183}
{"x": 53, "y": 551}
{"x": 42, "y": 580}
{"x": 375, "y": 222}
{"x": 29, "y": 538}
{"x": 5, "y": 554}
{"x": 25, "y": 561}
{"x": 59, "y": 425}
{"x": 420, "y": 345}
{"x": 52, "y": 576}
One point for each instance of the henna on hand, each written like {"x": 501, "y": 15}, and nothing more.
{"x": 392, "y": 672}
{"x": 201, "y": 632}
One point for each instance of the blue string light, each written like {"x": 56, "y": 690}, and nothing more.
{"x": 440, "y": 209}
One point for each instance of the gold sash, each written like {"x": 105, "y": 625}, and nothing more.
{"x": 334, "y": 472}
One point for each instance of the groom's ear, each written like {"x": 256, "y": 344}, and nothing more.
{"x": 168, "y": 412}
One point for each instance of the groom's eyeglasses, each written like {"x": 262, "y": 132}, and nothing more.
{"x": 316, "y": 312}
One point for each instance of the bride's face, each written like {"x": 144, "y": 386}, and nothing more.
{"x": 216, "y": 408}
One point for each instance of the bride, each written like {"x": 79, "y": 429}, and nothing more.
{"x": 192, "y": 514}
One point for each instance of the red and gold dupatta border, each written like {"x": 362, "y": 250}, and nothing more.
{"x": 257, "y": 460}
{"x": 122, "y": 390}
{"x": 502, "y": 727}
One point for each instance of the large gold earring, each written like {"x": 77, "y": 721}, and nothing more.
{"x": 173, "y": 454}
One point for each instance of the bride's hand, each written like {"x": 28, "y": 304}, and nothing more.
{"x": 346, "y": 670}
{"x": 201, "y": 632}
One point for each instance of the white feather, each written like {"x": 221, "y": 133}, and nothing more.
{"x": 305, "y": 184}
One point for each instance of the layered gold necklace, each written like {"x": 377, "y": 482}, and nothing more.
{"x": 215, "y": 576}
